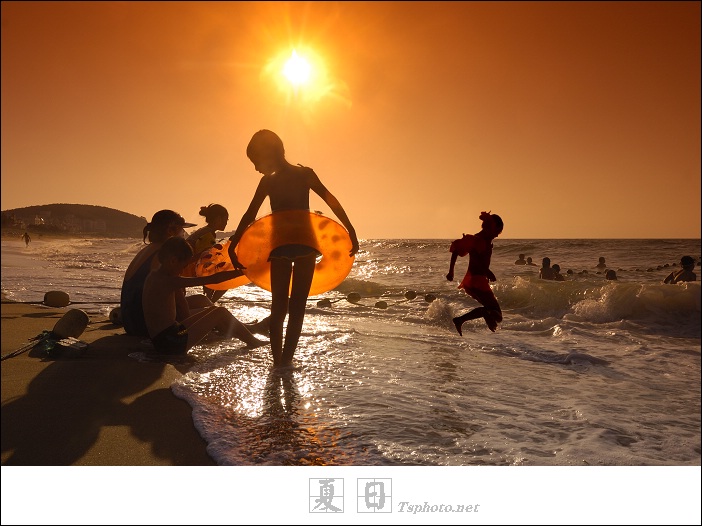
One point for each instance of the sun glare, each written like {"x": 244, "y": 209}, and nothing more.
{"x": 303, "y": 77}
{"x": 297, "y": 70}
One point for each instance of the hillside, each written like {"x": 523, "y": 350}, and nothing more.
{"x": 73, "y": 219}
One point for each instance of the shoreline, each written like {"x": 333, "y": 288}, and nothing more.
{"x": 101, "y": 408}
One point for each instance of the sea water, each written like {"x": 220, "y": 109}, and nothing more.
{"x": 586, "y": 371}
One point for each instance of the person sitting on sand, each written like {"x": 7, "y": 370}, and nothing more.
{"x": 204, "y": 238}
{"x": 601, "y": 265}
{"x": 521, "y": 260}
{"x": 164, "y": 225}
{"x": 546, "y": 272}
{"x": 164, "y": 291}
{"x": 475, "y": 283}
{"x": 685, "y": 274}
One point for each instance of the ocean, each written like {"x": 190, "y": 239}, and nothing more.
{"x": 584, "y": 372}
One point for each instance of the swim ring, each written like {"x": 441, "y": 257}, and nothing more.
{"x": 302, "y": 227}
{"x": 216, "y": 259}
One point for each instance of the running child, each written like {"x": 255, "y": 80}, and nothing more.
{"x": 475, "y": 283}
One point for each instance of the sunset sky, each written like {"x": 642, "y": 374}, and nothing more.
{"x": 569, "y": 119}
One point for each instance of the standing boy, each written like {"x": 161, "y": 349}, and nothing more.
{"x": 475, "y": 283}
{"x": 164, "y": 295}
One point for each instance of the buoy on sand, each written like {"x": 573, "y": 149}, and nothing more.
{"x": 71, "y": 325}
{"x": 56, "y": 298}
{"x": 116, "y": 316}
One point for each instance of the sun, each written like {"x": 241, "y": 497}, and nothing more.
{"x": 303, "y": 77}
{"x": 297, "y": 69}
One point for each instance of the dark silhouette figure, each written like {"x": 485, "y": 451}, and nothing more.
{"x": 546, "y": 272}
{"x": 475, "y": 283}
{"x": 288, "y": 188}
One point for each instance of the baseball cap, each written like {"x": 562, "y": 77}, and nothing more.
{"x": 166, "y": 217}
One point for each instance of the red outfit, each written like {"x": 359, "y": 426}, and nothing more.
{"x": 476, "y": 283}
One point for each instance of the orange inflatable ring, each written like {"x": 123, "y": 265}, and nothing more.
{"x": 216, "y": 259}
{"x": 297, "y": 227}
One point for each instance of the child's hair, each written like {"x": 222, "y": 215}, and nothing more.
{"x": 212, "y": 211}
{"x": 267, "y": 143}
{"x": 175, "y": 246}
{"x": 499, "y": 224}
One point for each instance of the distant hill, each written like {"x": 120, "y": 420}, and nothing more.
{"x": 74, "y": 219}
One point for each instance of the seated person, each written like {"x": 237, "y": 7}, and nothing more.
{"x": 164, "y": 291}
{"x": 546, "y": 272}
{"x": 685, "y": 274}
{"x": 521, "y": 260}
{"x": 164, "y": 224}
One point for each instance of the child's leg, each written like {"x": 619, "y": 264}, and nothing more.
{"x": 490, "y": 310}
{"x": 200, "y": 324}
{"x": 281, "y": 272}
{"x": 303, "y": 271}
{"x": 478, "y": 312}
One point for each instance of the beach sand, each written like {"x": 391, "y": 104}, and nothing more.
{"x": 101, "y": 408}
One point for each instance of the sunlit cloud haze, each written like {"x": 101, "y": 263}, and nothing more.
{"x": 569, "y": 119}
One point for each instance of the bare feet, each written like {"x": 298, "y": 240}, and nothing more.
{"x": 492, "y": 324}
{"x": 457, "y": 322}
{"x": 256, "y": 343}
{"x": 260, "y": 327}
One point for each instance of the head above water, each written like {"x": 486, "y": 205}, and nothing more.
{"x": 687, "y": 262}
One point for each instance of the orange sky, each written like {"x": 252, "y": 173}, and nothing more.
{"x": 569, "y": 119}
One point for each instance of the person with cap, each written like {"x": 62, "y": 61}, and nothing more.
{"x": 164, "y": 225}
{"x": 685, "y": 274}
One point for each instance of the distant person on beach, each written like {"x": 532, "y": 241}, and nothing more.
{"x": 164, "y": 225}
{"x": 601, "y": 265}
{"x": 685, "y": 274}
{"x": 530, "y": 262}
{"x": 475, "y": 283}
{"x": 26, "y": 239}
{"x": 546, "y": 272}
{"x": 521, "y": 260}
{"x": 205, "y": 238}
{"x": 557, "y": 276}
{"x": 164, "y": 291}
{"x": 288, "y": 188}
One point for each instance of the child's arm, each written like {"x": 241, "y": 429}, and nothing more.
{"x": 182, "y": 307}
{"x": 454, "y": 257}
{"x": 180, "y": 282}
{"x": 248, "y": 218}
{"x": 335, "y": 205}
